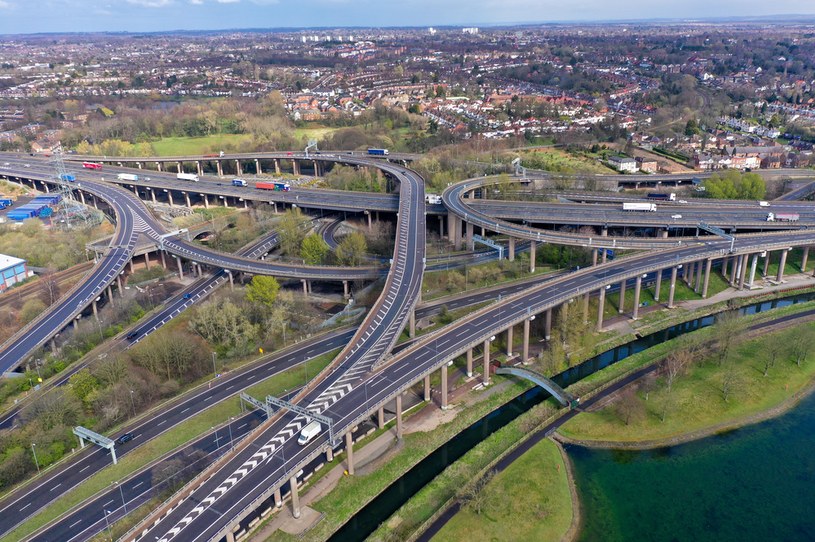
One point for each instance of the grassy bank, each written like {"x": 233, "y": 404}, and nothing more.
{"x": 696, "y": 401}
{"x": 354, "y": 492}
{"x": 530, "y": 500}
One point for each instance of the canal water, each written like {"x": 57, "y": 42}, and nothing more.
{"x": 394, "y": 496}
{"x": 753, "y": 483}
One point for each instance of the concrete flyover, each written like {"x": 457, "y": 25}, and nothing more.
{"x": 263, "y": 468}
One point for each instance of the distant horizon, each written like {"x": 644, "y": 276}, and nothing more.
{"x": 178, "y": 16}
{"x": 778, "y": 19}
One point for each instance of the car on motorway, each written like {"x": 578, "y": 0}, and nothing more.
{"x": 676, "y": 217}
{"x": 6, "y": 164}
{"x": 26, "y": 165}
{"x": 127, "y": 437}
{"x": 683, "y": 201}
{"x": 147, "y": 178}
{"x": 132, "y": 335}
{"x": 187, "y": 296}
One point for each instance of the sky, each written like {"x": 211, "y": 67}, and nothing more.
{"x": 34, "y": 16}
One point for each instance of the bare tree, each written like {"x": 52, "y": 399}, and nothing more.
{"x": 49, "y": 287}
{"x": 674, "y": 366}
{"x": 801, "y": 345}
{"x": 729, "y": 379}
{"x": 727, "y": 331}
{"x": 773, "y": 350}
{"x": 474, "y": 495}
{"x": 628, "y": 406}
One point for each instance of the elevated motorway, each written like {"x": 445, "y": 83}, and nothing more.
{"x": 277, "y": 452}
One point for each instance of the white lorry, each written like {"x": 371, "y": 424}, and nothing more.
{"x": 632, "y": 206}
{"x": 187, "y": 177}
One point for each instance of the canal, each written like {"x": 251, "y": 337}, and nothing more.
{"x": 366, "y": 521}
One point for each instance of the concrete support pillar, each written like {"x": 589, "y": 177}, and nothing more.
{"x": 158, "y": 166}
{"x": 345, "y": 291}
{"x": 163, "y": 260}
{"x": 349, "y": 450}
{"x": 486, "y": 362}
{"x": 130, "y": 263}
{"x": 469, "y": 236}
{"x": 206, "y": 201}
{"x": 469, "y": 362}
{"x": 753, "y": 266}
{"x": 664, "y": 234}
{"x": 708, "y": 266}
{"x": 231, "y": 280}
{"x": 766, "y": 269}
{"x": 380, "y": 414}
{"x": 295, "y": 498}
{"x": 512, "y": 249}
{"x": 329, "y": 455}
{"x": 525, "y": 348}
{"x": 278, "y": 498}
{"x": 119, "y": 285}
{"x": 547, "y": 334}
{"x": 637, "y": 288}
{"x": 593, "y": 257}
{"x": 804, "y": 259}
{"x": 257, "y": 167}
{"x": 672, "y": 289}
{"x": 316, "y": 168}
{"x": 698, "y": 284}
{"x": 305, "y": 286}
{"x": 178, "y": 167}
{"x": 110, "y": 295}
{"x": 734, "y": 271}
{"x": 427, "y": 388}
{"x": 603, "y": 256}
{"x": 658, "y": 286}
{"x": 601, "y": 305}
{"x": 399, "y": 416}
{"x": 509, "y": 341}
{"x": 180, "y": 267}
{"x": 226, "y": 201}
{"x": 238, "y": 167}
{"x": 95, "y": 204}
{"x": 219, "y": 168}
{"x": 276, "y": 166}
{"x": 533, "y": 246}
{"x": 444, "y": 387}
{"x": 780, "y": 275}
{"x": 689, "y": 276}
{"x": 295, "y": 167}
{"x": 187, "y": 198}
{"x": 199, "y": 168}
{"x": 457, "y": 226}
{"x": 621, "y": 306}
{"x": 412, "y": 324}
{"x": 82, "y": 197}
{"x": 95, "y": 311}
{"x": 743, "y": 271}
{"x": 370, "y": 222}
{"x": 725, "y": 266}
{"x": 147, "y": 260}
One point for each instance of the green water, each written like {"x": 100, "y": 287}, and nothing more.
{"x": 755, "y": 483}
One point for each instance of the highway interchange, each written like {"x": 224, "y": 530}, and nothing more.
{"x": 362, "y": 379}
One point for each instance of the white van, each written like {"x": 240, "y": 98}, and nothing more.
{"x": 309, "y": 432}
{"x": 763, "y": 203}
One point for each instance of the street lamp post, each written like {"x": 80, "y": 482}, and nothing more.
{"x": 122, "y": 493}
{"x": 132, "y": 404}
{"x": 214, "y": 370}
{"x": 107, "y": 523}
{"x": 34, "y": 450}
{"x": 231, "y": 445}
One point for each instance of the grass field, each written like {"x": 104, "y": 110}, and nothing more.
{"x": 181, "y": 146}
{"x": 697, "y": 401}
{"x": 530, "y": 500}
{"x": 560, "y": 161}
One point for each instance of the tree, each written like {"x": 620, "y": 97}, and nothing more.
{"x": 801, "y": 345}
{"x": 628, "y": 406}
{"x": 351, "y": 251}
{"x": 692, "y": 127}
{"x": 729, "y": 379}
{"x": 291, "y": 234}
{"x": 674, "y": 365}
{"x": 224, "y": 324}
{"x": 727, "y": 330}
{"x": 474, "y": 494}
{"x": 31, "y": 309}
{"x": 82, "y": 384}
{"x": 262, "y": 290}
{"x": 314, "y": 250}
{"x": 773, "y": 350}
{"x": 49, "y": 286}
